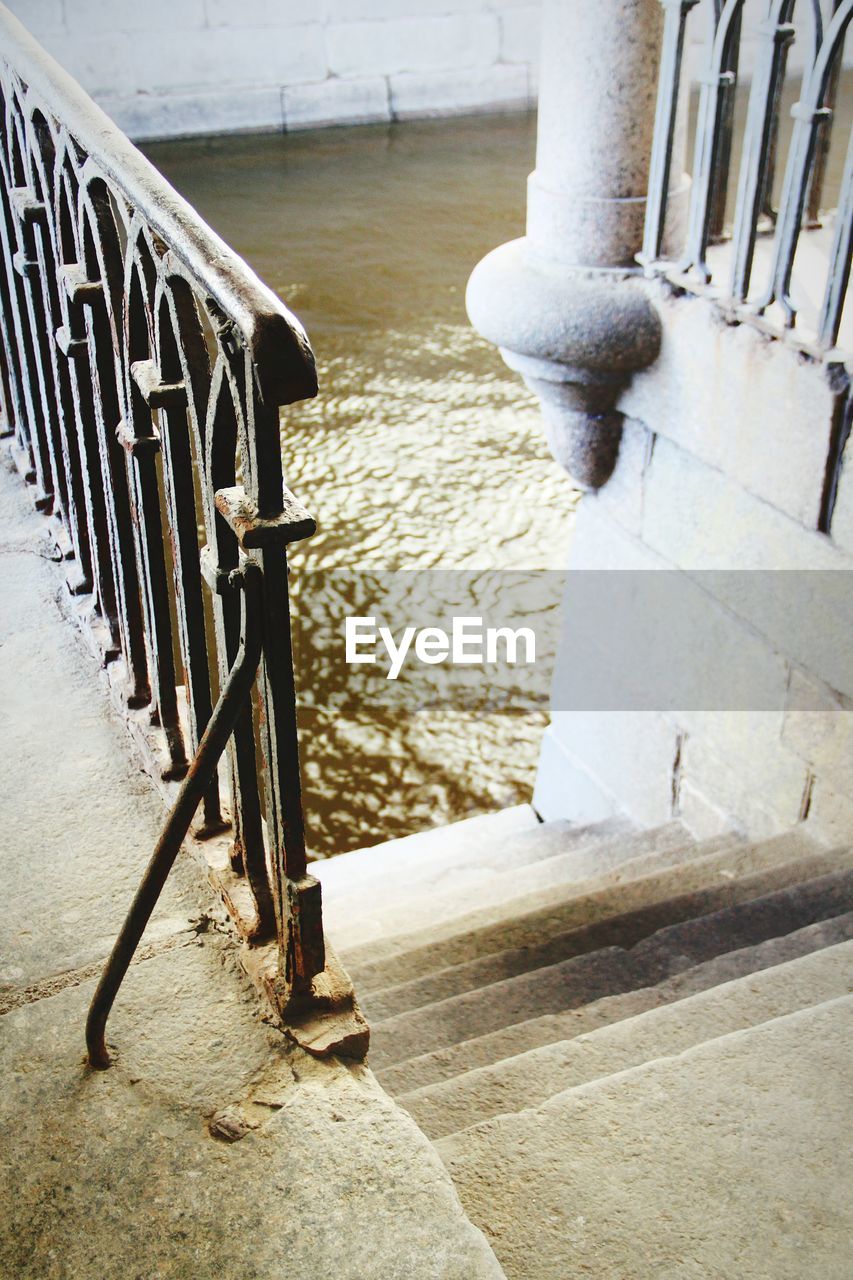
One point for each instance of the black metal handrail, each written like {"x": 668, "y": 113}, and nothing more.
{"x": 745, "y": 292}
{"x": 142, "y": 366}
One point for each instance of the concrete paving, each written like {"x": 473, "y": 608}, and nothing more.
{"x": 209, "y": 1148}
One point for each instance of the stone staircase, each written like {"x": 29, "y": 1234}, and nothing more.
{"x": 628, "y": 1047}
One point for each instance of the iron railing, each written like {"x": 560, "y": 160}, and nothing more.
{"x": 747, "y": 285}
{"x": 142, "y": 367}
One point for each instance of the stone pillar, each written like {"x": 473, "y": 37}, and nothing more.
{"x": 561, "y": 303}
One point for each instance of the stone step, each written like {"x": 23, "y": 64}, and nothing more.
{"x": 460, "y": 869}
{"x": 552, "y": 855}
{"x": 531, "y": 1078}
{"x": 535, "y": 916}
{"x": 497, "y": 841}
{"x": 637, "y": 860}
{"x": 584, "y": 978}
{"x": 733, "y": 1159}
{"x": 521, "y": 1037}
{"x": 410, "y": 855}
{"x": 729, "y": 865}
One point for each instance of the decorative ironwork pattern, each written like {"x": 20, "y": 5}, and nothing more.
{"x": 142, "y": 367}
{"x": 746, "y": 290}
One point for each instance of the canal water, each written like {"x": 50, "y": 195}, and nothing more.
{"x": 422, "y": 459}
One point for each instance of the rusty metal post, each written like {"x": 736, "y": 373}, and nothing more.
{"x": 198, "y": 779}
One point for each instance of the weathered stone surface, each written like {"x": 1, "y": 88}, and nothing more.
{"x": 376, "y": 10}
{"x": 681, "y": 871}
{"x": 631, "y": 754}
{"x": 42, "y": 16}
{"x": 764, "y": 793}
{"x": 426, "y": 853}
{"x": 627, "y": 955}
{"x": 210, "y": 1147}
{"x": 415, "y": 95}
{"x": 702, "y": 818}
{"x": 623, "y": 929}
{"x": 520, "y": 33}
{"x": 830, "y": 817}
{"x": 177, "y": 115}
{"x": 622, "y": 496}
{"x": 522, "y": 1037}
{"x": 216, "y": 58}
{"x": 710, "y": 653}
{"x": 421, "y": 44}
{"x": 492, "y": 966}
{"x": 335, "y": 101}
{"x": 531, "y": 1078}
{"x": 487, "y": 929}
{"x": 722, "y": 392}
{"x": 703, "y": 521}
{"x": 268, "y": 63}
{"x": 100, "y": 1167}
{"x": 586, "y": 199}
{"x": 562, "y": 314}
{"x": 564, "y": 787}
{"x": 842, "y": 515}
{"x": 553, "y": 855}
{"x": 79, "y": 822}
{"x": 574, "y": 317}
{"x": 732, "y": 1159}
{"x": 818, "y": 727}
{"x": 678, "y": 646}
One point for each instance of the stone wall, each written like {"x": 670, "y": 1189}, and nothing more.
{"x": 165, "y": 68}
{"x": 726, "y": 463}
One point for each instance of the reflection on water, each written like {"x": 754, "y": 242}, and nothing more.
{"x": 422, "y": 450}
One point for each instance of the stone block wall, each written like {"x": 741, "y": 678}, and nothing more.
{"x": 166, "y": 68}
{"x": 729, "y": 461}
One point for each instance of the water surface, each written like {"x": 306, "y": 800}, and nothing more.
{"x": 422, "y": 451}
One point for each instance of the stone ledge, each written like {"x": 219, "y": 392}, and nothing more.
{"x": 740, "y": 402}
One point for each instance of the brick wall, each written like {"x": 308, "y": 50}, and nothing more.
{"x": 165, "y": 68}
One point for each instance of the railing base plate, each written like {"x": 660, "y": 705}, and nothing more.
{"x": 323, "y": 1021}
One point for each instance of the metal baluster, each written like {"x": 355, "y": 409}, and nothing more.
{"x": 21, "y": 264}
{"x": 16, "y": 404}
{"x": 720, "y": 175}
{"x": 807, "y": 115}
{"x": 710, "y": 139}
{"x": 666, "y": 114}
{"x": 167, "y": 392}
{"x": 79, "y": 574}
{"x": 138, "y": 437}
{"x": 115, "y": 269}
{"x": 767, "y": 209}
{"x": 101, "y": 260}
{"x": 758, "y": 142}
{"x": 30, "y": 262}
{"x": 822, "y": 145}
{"x": 839, "y": 260}
{"x": 248, "y": 851}
{"x": 72, "y": 340}
{"x": 233, "y": 696}
{"x": 266, "y": 518}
